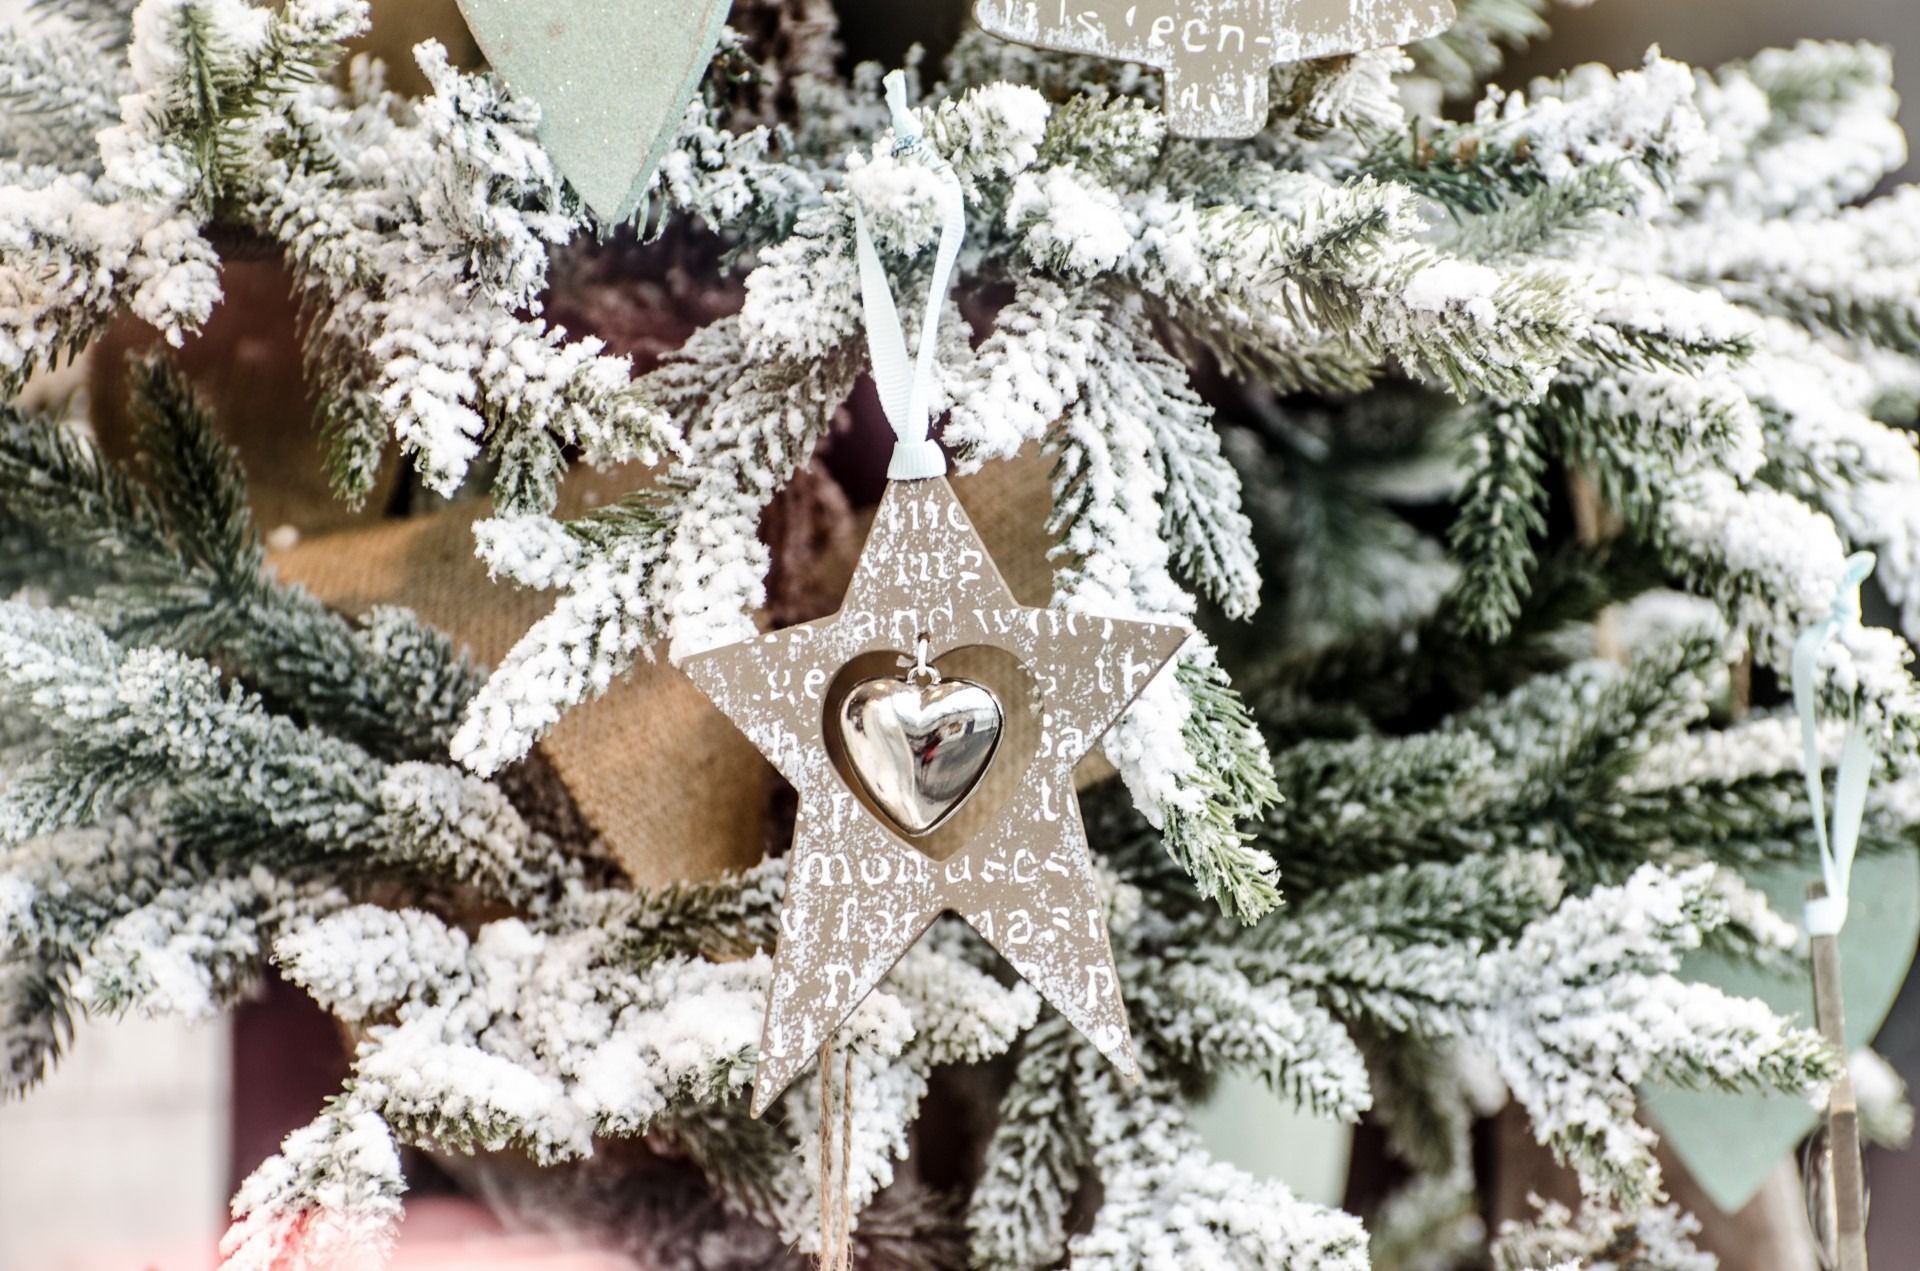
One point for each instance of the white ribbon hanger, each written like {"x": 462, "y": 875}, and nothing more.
{"x": 1826, "y": 915}
{"x": 906, "y": 389}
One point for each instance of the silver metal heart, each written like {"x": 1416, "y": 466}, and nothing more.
{"x": 919, "y": 750}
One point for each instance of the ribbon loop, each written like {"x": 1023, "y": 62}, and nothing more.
{"x": 1838, "y": 842}
{"x": 906, "y": 390}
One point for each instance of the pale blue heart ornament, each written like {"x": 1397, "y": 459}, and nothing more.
{"x": 612, "y": 79}
{"x": 1730, "y": 1143}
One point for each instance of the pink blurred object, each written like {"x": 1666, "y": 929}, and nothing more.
{"x": 439, "y": 1234}
{"x": 450, "y": 1234}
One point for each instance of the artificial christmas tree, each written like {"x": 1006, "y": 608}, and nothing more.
{"x": 1385, "y": 834}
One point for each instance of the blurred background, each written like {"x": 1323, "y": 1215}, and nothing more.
{"x": 126, "y": 1158}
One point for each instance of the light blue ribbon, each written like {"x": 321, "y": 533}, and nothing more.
{"x": 1827, "y": 915}
{"x": 906, "y": 390}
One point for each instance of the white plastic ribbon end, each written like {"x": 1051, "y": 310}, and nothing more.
{"x": 917, "y": 461}
{"x": 1826, "y": 915}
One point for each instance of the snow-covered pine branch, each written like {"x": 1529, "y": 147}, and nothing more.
{"x": 419, "y": 235}
{"x": 470, "y": 1044}
{"x": 1168, "y": 1202}
{"x": 1468, "y": 53}
{"x": 55, "y": 103}
{"x": 1575, "y": 1002}
{"x": 1806, "y": 129}
{"x": 1256, "y": 366}
{"x": 176, "y": 560}
{"x": 1138, "y": 481}
{"x": 126, "y": 722}
{"x": 1165, "y": 1198}
{"x": 1584, "y": 1007}
{"x": 425, "y": 330}
{"x": 1602, "y": 1238}
{"x": 331, "y": 1198}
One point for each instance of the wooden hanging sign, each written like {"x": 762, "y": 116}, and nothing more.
{"x": 1216, "y": 53}
{"x": 930, "y": 729}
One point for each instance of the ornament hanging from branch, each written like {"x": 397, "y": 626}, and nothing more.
{"x": 1861, "y": 942}
{"x": 931, "y": 728}
{"x": 915, "y": 798}
{"x": 1216, "y": 53}
{"x": 612, "y": 79}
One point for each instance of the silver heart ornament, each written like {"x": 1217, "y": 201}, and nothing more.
{"x": 919, "y": 749}
{"x": 612, "y": 79}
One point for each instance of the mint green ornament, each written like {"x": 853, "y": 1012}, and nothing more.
{"x": 612, "y": 79}
{"x": 1244, "y": 1123}
{"x": 1730, "y": 1143}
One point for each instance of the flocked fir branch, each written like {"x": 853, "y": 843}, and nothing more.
{"x": 1316, "y": 394}
{"x": 176, "y": 560}
{"x": 1602, "y": 1239}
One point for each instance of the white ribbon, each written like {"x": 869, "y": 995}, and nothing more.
{"x": 1827, "y": 915}
{"x": 906, "y": 391}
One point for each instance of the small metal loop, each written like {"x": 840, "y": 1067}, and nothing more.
{"x": 921, "y": 666}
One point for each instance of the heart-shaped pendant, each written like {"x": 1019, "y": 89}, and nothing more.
{"x": 919, "y": 749}
{"x": 1730, "y": 1142}
{"x": 612, "y": 77}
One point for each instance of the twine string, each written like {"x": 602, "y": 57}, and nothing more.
{"x": 836, "y": 1159}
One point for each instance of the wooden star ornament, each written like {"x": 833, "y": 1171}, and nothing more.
{"x": 1216, "y": 53}
{"x": 931, "y": 728}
